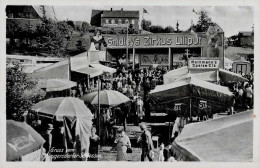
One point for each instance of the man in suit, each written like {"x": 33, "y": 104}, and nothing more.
{"x": 146, "y": 143}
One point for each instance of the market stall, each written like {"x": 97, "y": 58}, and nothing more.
{"x": 224, "y": 139}
{"x": 192, "y": 96}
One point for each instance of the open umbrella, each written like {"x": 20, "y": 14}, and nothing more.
{"x": 107, "y": 98}
{"x": 63, "y": 106}
{"x": 74, "y": 114}
{"x": 21, "y": 140}
{"x": 56, "y": 84}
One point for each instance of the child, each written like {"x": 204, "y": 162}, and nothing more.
{"x": 161, "y": 157}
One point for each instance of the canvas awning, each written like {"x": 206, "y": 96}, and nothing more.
{"x": 171, "y": 76}
{"x": 104, "y": 68}
{"x": 191, "y": 87}
{"x": 224, "y": 139}
{"x": 206, "y": 75}
{"x": 92, "y": 72}
{"x": 59, "y": 70}
{"x": 227, "y": 76}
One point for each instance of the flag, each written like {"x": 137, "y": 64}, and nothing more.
{"x": 145, "y": 11}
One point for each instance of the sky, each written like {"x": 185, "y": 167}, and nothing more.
{"x": 231, "y": 19}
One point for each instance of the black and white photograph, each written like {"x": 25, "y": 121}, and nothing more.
{"x": 135, "y": 83}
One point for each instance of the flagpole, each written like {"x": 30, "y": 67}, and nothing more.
{"x": 127, "y": 46}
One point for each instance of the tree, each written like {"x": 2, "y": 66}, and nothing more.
{"x": 146, "y": 24}
{"x": 52, "y": 38}
{"x": 85, "y": 27}
{"x": 204, "y": 22}
{"x": 169, "y": 29}
{"x": 156, "y": 29}
{"x": 71, "y": 23}
{"x": 21, "y": 92}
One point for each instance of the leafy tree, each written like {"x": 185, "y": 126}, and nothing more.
{"x": 52, "y": 38}
{"x": 156, "y": 29}
{"x": 169, "y": 29}
{"x": 146, "y": 24}
{"x": 21, "y": 92}
{"x": 71, "y": 23}
{"x": 85, "y": 27}
{"x": 204, "y": 22}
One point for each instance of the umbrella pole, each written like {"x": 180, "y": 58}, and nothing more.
{"x": 98, "y": 115}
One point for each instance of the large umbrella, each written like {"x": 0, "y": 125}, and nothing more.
{"x": 107, "y": 98}
{"x": 56, "y": 84}
{"x": 63, "y": 106}
{"x": 70, "y": 110}
{"x": 21, "y": 140}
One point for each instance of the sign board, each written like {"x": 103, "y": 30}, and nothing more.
{"x": 177, "y": 106}
{"x": 203, "y": 104}
{"x": 203, "y": 64}
{"x": 156, "y": 40}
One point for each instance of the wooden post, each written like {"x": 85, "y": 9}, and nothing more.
{"x": 133, "y": 58}
{"x": 169, "y": 59}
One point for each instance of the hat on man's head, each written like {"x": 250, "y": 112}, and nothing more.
{"x": 120, "y": 129}
{"x": 49, "y": 127}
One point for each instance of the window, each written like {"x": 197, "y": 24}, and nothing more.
{"x": 113, "y": 21}
{"x": 133, "y": 21}
{"x": 107, "y": 21}
{"x": 119, "y": 21}
{"x": 126, "y": 21}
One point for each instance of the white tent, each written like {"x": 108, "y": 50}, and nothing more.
{"x": 219, "y": 140}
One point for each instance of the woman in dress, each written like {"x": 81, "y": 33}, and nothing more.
{"x": 93, "y": 147}
{"x": 98, "y": 40}
{"x": 123, "y": 142}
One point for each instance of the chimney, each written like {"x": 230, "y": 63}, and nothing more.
{"x": 111, "y": 9}
{"x": 121, "y": 9}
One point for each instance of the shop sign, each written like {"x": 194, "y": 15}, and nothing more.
{"x": 203, "y": 64}
{"x": 158, "y": 40}
{"x": 202, "y": 104}
{"x": 177, "y": 106}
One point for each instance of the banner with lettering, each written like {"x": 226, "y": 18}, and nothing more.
{"x": 157, "y": 40}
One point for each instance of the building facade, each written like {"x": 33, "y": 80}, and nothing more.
{"x": 246, "y": 39}
{"x": 168, "y": 51}
{"x": 116, "y": 20}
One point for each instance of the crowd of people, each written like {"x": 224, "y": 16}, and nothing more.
{"x": 243, "y": 92}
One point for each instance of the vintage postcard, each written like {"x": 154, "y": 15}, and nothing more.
{"x": 102, "y": 83}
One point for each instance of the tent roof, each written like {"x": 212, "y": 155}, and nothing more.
{"x": 104, "y": 68}
{"x": 230, "y": 76}
{"x": 92, "y": 72}
{"x": 192, "y": 81}
{"x": 60, "y": 70}
{"x": 210, "y": 75}
{"x": 224, "y": 139}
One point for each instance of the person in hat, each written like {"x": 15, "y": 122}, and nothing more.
{"x": 48, "y": 137}
{"x": 123, "y": 142}
{"x": 146, "y": 143}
